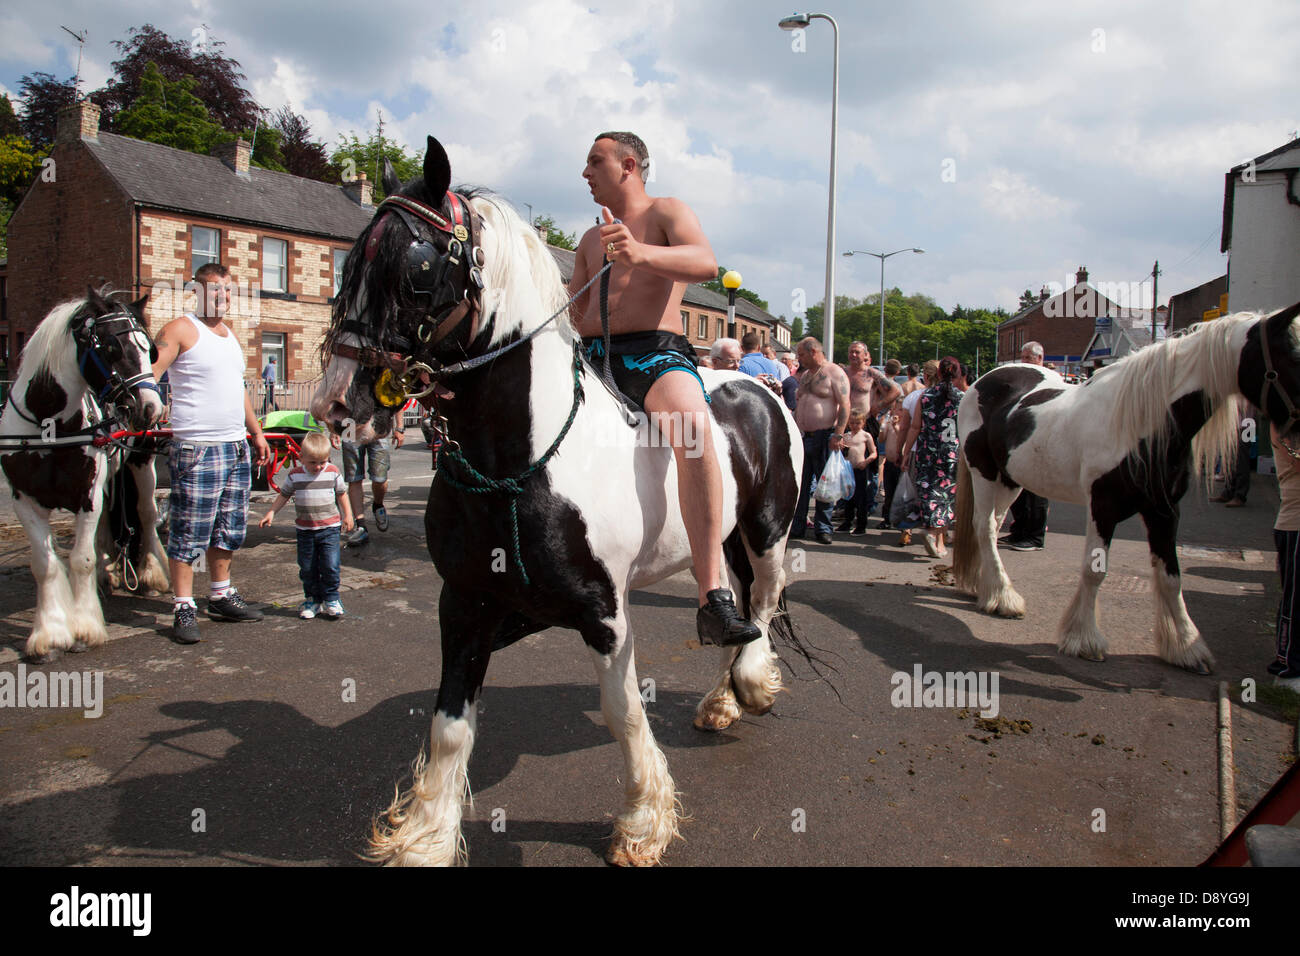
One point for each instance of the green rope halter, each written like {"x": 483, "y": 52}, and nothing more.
{"x": 479, "y": 484}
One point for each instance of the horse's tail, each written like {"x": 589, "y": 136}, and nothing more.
{"x": 965, "y": 549}
{"x": 780, "y": 630}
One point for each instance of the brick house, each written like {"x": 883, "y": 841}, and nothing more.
{"x": 143, "y": 217}
{"x": 704, "y": 314}
{"x": 1065, "y": 324}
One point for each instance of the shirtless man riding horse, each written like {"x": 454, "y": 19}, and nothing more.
{"x": 657, "y": 247}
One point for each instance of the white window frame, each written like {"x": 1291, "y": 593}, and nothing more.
{"x": 702, "y": 327}
{"x": 275, "y": 281}
{"x": 201, "y": 257}
{"x": 340, "y": 257}
{"x": 279, "y": 347}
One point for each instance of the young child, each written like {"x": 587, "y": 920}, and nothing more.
{"x": 862, "y": 456}
{"x": 319, "y": 493}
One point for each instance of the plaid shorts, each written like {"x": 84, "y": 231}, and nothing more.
{"x": 209, "y": 499}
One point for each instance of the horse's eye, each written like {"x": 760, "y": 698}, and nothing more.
{"x": 153, "y": 353}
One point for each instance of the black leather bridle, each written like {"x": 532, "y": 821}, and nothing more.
{"x": 1271, "y": 381}
{"x": 91, "y": 334}
{"x": 446, "y": 283}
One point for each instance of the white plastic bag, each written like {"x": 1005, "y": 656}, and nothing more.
{"x": 904, "y": 498}
{"x": 836, "y": 482}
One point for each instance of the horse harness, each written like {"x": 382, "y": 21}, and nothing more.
{"x": 1271, "y": 381}
{"x": 91, "y": 337}
{"x": 447, "y": 286}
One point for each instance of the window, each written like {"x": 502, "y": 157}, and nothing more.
{"x": 340, "y": 257}
{"x": 273, "y": 345}
{"x": 205, "y": 247}
{"x": 702, "y": 329}
{"x": 275, "y": 261}
{"x": 721, "y": 331}
{"x": 686, "y": 323}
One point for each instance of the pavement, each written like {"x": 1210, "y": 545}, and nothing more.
{"x": 275, "y": 743}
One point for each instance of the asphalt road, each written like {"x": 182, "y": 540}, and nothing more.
{"x": 255, "y": 733}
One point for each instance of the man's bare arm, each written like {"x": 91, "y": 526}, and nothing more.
{"x": 172, "y": 338}
{"x": 840, "y": 383}
{"x": 581, "y": 274}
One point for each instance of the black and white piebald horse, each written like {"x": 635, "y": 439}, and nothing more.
{"x": 1127, "y": 441}
{"x": 550, "y": 508}
{"x": 85, "y": 371}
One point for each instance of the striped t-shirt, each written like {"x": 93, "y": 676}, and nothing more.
{"x": 315, "y": 496}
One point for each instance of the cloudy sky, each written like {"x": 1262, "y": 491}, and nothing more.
{"x": 1013, "y": 141}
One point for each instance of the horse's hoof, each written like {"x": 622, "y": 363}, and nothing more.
{"x": 716, "y": 714}
{"x": 49, "y": 657}
{"x": 1097, "y": 659}
{"x": 620, "y": 854}
{"x": 1202, "y": 668}
{"x": 79, "y": 647}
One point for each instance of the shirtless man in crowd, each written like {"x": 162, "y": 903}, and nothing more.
{"x": 822, "y": 414}
{"x": 870, "y": 391}
{"x": 657, "y": 247}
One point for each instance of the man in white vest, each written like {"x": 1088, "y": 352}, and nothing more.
{"x": 209, "y": 459}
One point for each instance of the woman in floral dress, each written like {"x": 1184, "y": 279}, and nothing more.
{"x": 931, "y": 445}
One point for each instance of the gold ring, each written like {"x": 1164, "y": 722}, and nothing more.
{"x": 609, "y": 247}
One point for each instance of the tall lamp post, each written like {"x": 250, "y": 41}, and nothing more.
{"x": 798, "y": 21}
{"x": 882, "y": 256}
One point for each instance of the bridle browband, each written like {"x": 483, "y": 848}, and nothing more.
{"x": 446, "y": 303}
{"x": 1271, "y": 380}
{"x": 87, "y": 334}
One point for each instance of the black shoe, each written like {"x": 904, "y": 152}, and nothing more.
{"x": 824, "y": 537}
{"x": 232, "y": 607}
{"x": 859, "y": 531}
{"x": 884, "y": 524}
{"x": 1021, "y": 545}
{"x": 794, "y": 536}
{"x": 845, "y": 528}
{"x": 185, "y": 625}
{"x": 718, "y": 622}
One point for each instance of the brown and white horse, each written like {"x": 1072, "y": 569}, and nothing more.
{"x": 546, "y": 509}
{"x": 87, "y": 361}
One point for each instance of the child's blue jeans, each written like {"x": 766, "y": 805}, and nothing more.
{"x": 318, "y": 563}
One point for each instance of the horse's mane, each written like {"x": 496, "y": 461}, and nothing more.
{"x": 1148, "y": 381}
{"x": 51, "y": 345}
{"x": 522, "y": 283}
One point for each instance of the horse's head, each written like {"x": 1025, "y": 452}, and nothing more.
{"x": 410, "y": 300}
{"x": 115, "y": 357}
{"x": 1268, "y": 372}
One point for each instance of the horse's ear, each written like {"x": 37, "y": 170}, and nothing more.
{"x": 392, "y": 185}
{"x": 97, "y": 301}
{"x": 1280, "y": 321}
{"x": 437, "y": 170}
{"x": 138, "y": 305}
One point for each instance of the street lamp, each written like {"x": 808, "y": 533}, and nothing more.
{"x": 731, "y": 282}
{"x": 798, "y": 21}
{"x": 882, "y": 256}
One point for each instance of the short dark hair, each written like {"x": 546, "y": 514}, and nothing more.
{"x": 893, "y": 367}
{"x": 749, "y": 341}
{"x": 633, "y": 144}
{"x": 210, "y": 269}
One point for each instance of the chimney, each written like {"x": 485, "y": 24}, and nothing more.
{"x": 544, "y": 234}
{"x": 1081, "y": 276}
{"x": 78, "y": 121}
{"x": 234, "y": 154}
{"x": 1044, "y": 294}
{"x": 359, "y": 190}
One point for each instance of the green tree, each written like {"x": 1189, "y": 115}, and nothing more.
{"x": 717, "y": 286}
{"x": 19, "y": 164}
{"x": 303, "y": 156}
{"x": 169, "y": 113}
{"x": 9, "y": 125}
{"x": 43, "y": 96}
{"x": 355, "y": 156}
{"x": 555, "y": 235}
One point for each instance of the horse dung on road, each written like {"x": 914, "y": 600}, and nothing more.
{"x": 86, "y": 368}
{"x": 1126, "y": 442}
{"x": 539, "y": 464}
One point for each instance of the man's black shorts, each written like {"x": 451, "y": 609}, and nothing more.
{"x": 638, "y": 359}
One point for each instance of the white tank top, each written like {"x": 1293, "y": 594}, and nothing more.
{"x": 207, "y": 388}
